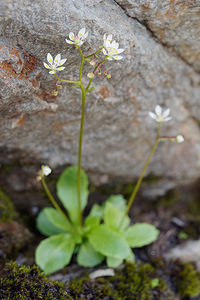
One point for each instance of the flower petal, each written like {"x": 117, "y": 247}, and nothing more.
{"x": 166, "y": 113}
{"x": 109, "y": 37}
{"x": 57, "y": 58}
{"x": 69, "y": 42}
{"x": 158, "y": 110}
{"x": 71, "y": 36}
{"x": 60, "y": 69}
{"x": 84, "y": 36}
{"x": 49, "y": 59}
{"x": 62, "y": 61}
{"x": 52, "y": 72}
{"x": 152, "y": 115}
{"x": 166, "y": 119}
{"x": 46, "y": 66}
{"x": 81, "y": 32}
{"x": 117, "y": 57}
{"x": 118, "y": 51}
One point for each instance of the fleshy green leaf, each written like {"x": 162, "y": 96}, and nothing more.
{"x": 141, "y": 234}
{"x": 90, "y": 222}
{"x": 131, "y": 257}
{"x": 45, "y": 226}
{"x": 97, "y": 211}
{"x": 55, "y": 252}
{"x": 118, "y": 201}
{"x": 88, "y": 256}
{"x": 67, "y": 191}
{"x": 113, "y": 217}
{"x": 57, "y": 219}
{"x": 113, "y": 262}
{"x": 108, "y": 242}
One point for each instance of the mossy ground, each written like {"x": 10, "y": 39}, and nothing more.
{"x": 29, "y": 283}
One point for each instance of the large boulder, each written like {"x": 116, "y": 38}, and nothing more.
{"x": 161, "y": 65}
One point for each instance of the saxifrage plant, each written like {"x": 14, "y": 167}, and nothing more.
{"x": 106, "y": 232}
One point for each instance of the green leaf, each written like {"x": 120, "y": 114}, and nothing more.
{"x": 113, "y": 262}
{"x": 57, "y": 219}
{"x": 97, "y": 211}
{"x": 131, "y": 257}
{"x": 108, "y": 242}
{"x": 45, "y": 226}
{"x": 141, "y": 234}
{"x": 55, "y": 252}
{"x": 113, "y": 217}
{"x": 91, "y": 221}
{"x": 88, "y": 257}
{"x": 67, "y": 191}
{"x": 118, "y": 201}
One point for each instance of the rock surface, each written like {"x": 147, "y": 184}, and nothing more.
{"x": 161, "y": 65}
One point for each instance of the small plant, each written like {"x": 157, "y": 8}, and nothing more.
{"x": 106, "y": 232}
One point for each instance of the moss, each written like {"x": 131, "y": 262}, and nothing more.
{"x": 7, "y": 210}
{"x": 133, "y": 282}
{"x": 24, "y": 283}
{"x": 187, "y": 280}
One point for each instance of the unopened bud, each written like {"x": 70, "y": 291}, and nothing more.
{"x": 90, "y": 75}
{"x": 54, "y": 93}
{"x": 180, "y": 138}
{"x": 107, "y": 74}
{"x": 46, "y": 170}
{"x": 93, "y": 62}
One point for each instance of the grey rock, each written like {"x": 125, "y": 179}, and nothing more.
{"x": 161, "y": 65}
{"x": 188, "y": 252}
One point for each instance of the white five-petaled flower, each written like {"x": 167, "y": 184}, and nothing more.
{"x": 79, "y": 39}
{"x": 54, "y": 65}
{"x": 180, "y": 138}
{"x": 46, "y": 170}
{"x": 159, "y": 115}
{"x": 111, "y": 49}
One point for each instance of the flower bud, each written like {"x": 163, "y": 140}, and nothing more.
{"x": 46, "y": 170}
{"x": 92, "y": 62}
{"x": 54, "y": 93}
{"x": 90, "y": 75}
{"x": 180, "y": 138}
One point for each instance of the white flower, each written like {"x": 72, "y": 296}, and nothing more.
{"x": 46, "y": 170}
{"x": 79, "y": 39}
{"x": 111, "y": 49}
{"x": 160, "y": 116}
{"x": 54, "y": 65}
{"x": 180, "y": 138}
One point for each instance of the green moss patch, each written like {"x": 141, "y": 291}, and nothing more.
{"x": 133, "y": 282}
{"x": 24, "y": 283}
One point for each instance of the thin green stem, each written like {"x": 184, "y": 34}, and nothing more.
{"x": 68, "y": 81}
{"x": 54, "y": 203}
{"x": 80, "y": 157}
{"x": 80, "y": 139}
{"x": 138, "y": 184}
{"x": 95, "y": 53}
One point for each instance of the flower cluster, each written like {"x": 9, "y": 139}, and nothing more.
{"x": 110, "y": 50}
